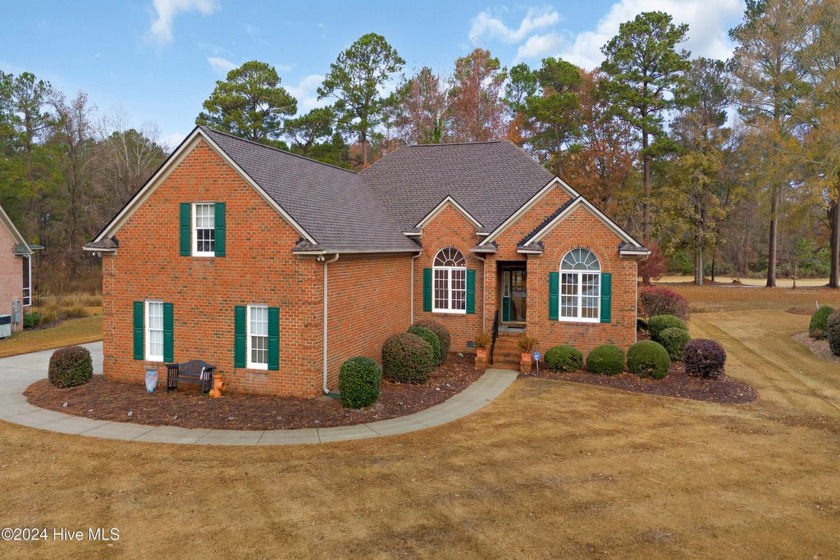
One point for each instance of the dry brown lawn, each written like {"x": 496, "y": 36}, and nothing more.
{"x": 66, "y": 333}
{"x": 549, "y": 470}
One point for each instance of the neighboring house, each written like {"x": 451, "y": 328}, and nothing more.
{"x": 15, "y": 273}
{"x": 277, "y": 268}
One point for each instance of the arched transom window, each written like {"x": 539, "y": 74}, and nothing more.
{"x": 580, "y": 286}
{"x": 450, "y": 274}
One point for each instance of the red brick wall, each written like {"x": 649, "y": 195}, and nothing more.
{"x": 450, "y": 228}
{"x": 582, "y": 229}
{"x": 11, "y": 274}
{"x": 259, "y": 268}
{"x": 368, "y": 302}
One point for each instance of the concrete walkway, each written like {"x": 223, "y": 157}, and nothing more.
{"x": 18, "y": 372}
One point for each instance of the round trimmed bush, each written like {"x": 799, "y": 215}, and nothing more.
{"x": 70, "y": 366}
{"x": 647, "y": 358}
{"x": 607, "y": 359}
{"x": 564, "y": 358}
{"x": 659, "y": 323}
{"x": 657, "y": 300}
{"x": 832, "y": 332}
{"x": 442, "y": 334}
{"x": 431, "y": 338}
{"x": 704, "y": 358}
{"x": 407, "y": 358}
{"x": 358, "y": 382}
{"x": 819, "y": 322}
{"x": 674, "y": 341}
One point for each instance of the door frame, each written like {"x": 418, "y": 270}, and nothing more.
{"x": 506, "y": 293}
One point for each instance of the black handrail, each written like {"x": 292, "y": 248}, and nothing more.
{"x": 495, "y": 334}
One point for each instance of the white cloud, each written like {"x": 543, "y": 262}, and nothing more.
{"x": 707, "y": 32}
{"x": 306, "y": 93}
{"x": 166, "y": 10}
{"x": 540, "y": 46}
{"x": 484, "y": 25}
{"x": 221, "y": 65}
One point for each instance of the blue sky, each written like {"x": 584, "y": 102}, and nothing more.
{"x": 158, "y": 60}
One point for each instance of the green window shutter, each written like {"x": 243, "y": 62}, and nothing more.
{"x": 470, "y": 291}
{"x": 239, "y": 347}
{"x": 606, "y": 297}
{"x": 139, "y": 351}
{"x": 186, "y": 234}
{"x": 427, "y": 289}
{"x": 219, "y": 209}
{"x": 273, "y": 338}
{"x": 553, "y": 296}
{"x": 168, "y": 338}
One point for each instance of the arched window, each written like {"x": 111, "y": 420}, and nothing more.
{"x": 450, "y": 274}
{"x": 580, "y": 286}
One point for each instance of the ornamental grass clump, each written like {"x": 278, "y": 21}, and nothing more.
{"x": 431, "y": 338}
{"x": 441, "y": 332}
{"x": 657, "y": 300}
{"x": 564, "y": 358}
{"x": 647, "y": 358}
{"x": 70, "y": 366}
{"x": 659, "y": 323}
{"x": 819, "y": 322}
{"x": 606, "y": 359}
{"x": 407, "y": 358}
{"x": 704, "y": 358}
{"x": 674, "y": 340}
{"x": 359, "y": 382}
{"x": 832, "y": 332}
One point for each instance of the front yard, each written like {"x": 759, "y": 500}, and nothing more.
{"x": 550, "y": 469}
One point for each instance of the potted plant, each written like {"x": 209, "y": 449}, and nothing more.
{"x": 527, "y": 345}
{"x": 482, "y": 343}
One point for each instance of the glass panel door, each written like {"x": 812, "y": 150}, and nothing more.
{"x": 518, "y": 295}
{"x": 506, "y": 296}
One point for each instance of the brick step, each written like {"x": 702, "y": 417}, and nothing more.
{"x": 505, "y": 365}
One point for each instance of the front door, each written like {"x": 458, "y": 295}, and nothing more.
{"x": 514, "y": 295}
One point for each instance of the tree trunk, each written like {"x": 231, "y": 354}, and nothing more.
{"x": 834, "y": 221}
{"x": 698, "y": 246}
{"x": 774, "y": 237}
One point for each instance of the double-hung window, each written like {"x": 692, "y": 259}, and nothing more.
{"x": 204, "y": 229}
{"x": 449, "y": 271}
{"x": 258, "y": 336}
{"x": 580, "y": 286}
{"x": 27, "y": 281}
{"x": 154, "y": 331}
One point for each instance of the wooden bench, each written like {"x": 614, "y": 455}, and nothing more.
{"x": 194, "y": 371}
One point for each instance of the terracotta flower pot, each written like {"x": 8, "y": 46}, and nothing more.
{"x": 481, "y": 358}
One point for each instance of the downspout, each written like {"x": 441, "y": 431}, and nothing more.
{"x": 326, "y": 319}
{"x": 411, "y": 295}
{"x": 483, "y": 292}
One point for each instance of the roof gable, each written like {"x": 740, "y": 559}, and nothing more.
{"x": 448, "y": 201}
{"x": 21, "y": 246}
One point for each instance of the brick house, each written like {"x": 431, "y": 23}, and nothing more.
{"x": 15, "y": 273}
{"x": 277, "y": 268}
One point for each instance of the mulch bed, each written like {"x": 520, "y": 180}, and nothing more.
{"x": 819, "y": 348}
{"x": 129, "y": 402}
{"x": 676, "y": 384}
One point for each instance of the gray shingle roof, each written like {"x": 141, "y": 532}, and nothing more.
{"x": 333, "y": 205}
{"x": 491, "y": 180}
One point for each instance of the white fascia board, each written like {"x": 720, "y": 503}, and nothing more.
{"x": 180, "y": 153}
{"x": 555, "y": 182}
{"x": 529, "y": 252}
{"x": 597, "y": 213}
{"x": 437, "y": 210}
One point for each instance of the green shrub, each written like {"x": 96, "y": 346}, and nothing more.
{"x": 431, "y": 338}
{"x": 832, "y": 332}
{"x": 407, "y": 358}
{"x": 819, "y": 322}
{"x": 442, "y": 334}
{"x": 607, "y": 359}
{"x": 358, "y": 382}
{"x": 704, "y": 357}
{"x": 563, "y": 358}
{"x": 31, "y": 320}
{"x": 659, "y": 323}
{"x": 674, "y": 341}
{"x": 647, "y": 358}
{"x": 70, "y": 366}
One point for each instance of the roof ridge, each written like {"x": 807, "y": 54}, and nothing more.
{"x": 288, "y": 153}
{"x": 453, "y": 144}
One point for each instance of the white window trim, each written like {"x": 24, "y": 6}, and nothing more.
{"x": 194, "y": 228}
{"x": 579, "y": 318}
{"x": 27, "y": 292}
{"x": 148, "y": 339}
{"x": 449, "y": 290}
{"x": 248, "y": 346}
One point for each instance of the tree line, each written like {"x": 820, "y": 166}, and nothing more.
{"x": 720, "y": 167}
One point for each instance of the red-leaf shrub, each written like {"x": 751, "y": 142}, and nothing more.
{"x": 657, "y": 300}
{"x": 704, "y": 357}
